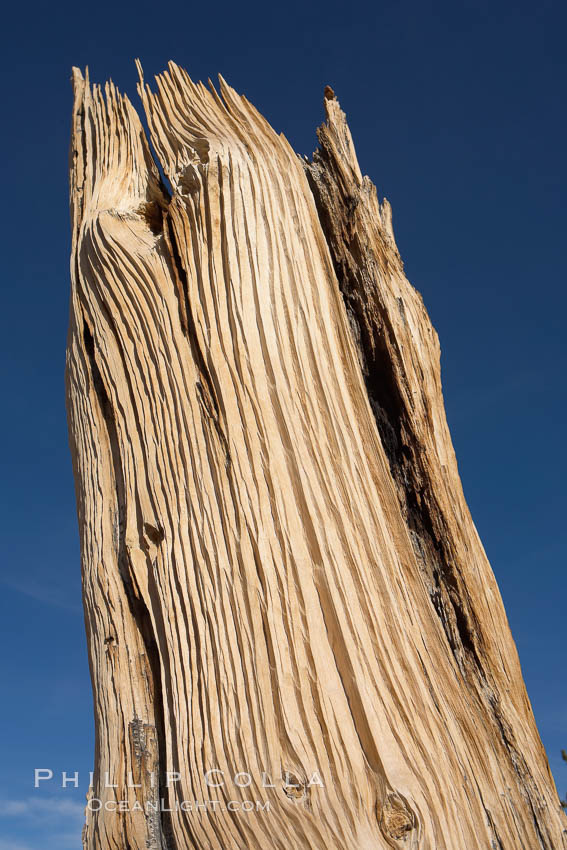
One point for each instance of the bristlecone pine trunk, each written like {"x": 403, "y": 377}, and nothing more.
{"x": 284, "y": 591}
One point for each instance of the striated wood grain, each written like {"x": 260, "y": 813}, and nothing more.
{"x": 281, "y": 576}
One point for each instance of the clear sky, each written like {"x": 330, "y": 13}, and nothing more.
{"x": 458, "y": 114}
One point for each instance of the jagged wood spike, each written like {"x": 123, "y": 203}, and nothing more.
{"x": 281, "y": 576}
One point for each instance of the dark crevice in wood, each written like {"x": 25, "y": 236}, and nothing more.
{"x": 377, "y": 346}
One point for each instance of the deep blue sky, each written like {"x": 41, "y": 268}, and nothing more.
{"x": 458, "y": 114}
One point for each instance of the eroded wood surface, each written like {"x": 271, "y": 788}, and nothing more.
{"x": 281, "y": 576}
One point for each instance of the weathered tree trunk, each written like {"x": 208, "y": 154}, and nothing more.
{"x": 281, "y": 576}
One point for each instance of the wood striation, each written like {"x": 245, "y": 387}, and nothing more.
{"x": 281, "y": 576}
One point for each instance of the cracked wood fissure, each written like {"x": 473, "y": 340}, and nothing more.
{"x": 281, "y": 577}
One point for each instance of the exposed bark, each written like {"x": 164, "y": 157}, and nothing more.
{"x": 281, "y": 576}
